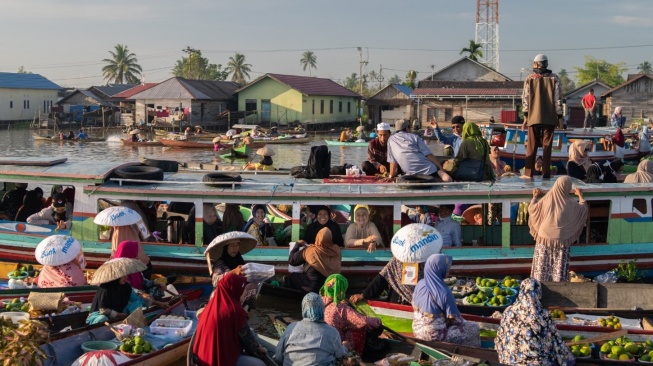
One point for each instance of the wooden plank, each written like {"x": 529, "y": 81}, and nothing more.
{"x": 571, "y": 294}
{"x": 32, "y": 161}
{"x": 612, "y": 295}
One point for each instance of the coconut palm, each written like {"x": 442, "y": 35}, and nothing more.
{"x": 122, "y": 67}
{"x": 645, "y": 68}
{"x": 474, "y": 50}
{"x": 309, "y": 60}
{"x": 238, "y": 69}
{"x": 410, "y": 79}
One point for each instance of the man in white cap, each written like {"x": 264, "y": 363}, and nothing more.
{"x": 542, "y": 113}
{"x": 409, "y": 152}
{"x": 377, "y": 152}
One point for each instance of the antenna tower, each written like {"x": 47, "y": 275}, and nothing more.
{"x": 487, "y": 31}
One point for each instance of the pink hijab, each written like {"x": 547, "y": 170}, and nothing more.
{"x": 65, "y": 275}
{"x": 128, "y": 232}
{"x": 129, "y": 249}
{"x": 556, "y": 217}
{"x": 644, "y": 173}
{"x": 577, "y": 154}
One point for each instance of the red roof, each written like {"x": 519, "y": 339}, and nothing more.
{"x": 137, "y": 89}
{"x": 310, "y": 85}
{"x": 466, "y": 91}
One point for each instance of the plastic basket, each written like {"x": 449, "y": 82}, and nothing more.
{"x": 23, "y": 275}
{"x": 171, "y": 328}
{"x": 91, "y": 346}
{"x": 15, "y": 316}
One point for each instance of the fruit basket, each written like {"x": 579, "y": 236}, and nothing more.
{"x": 134, "y": 355}
{"x": 466, "y": 301}
{"x": 508, "y": 303}
{"x": 606, "y": 357}
{"x": 15, "y": 276}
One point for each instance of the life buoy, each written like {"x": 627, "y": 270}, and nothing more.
{"x": 222, "y": 178}
{"x": 407, "y": 181}
{"x": 142, "y": 172}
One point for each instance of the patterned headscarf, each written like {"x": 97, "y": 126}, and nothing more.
{"x": 313, "y": 307}
{"x": 528, "y": 335}
{"x": 432, "y": 296}
{"x": 472, "y": 132}
{"x": 335, "y": 287}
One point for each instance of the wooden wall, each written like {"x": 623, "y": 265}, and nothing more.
{"x": 636, "y": 99}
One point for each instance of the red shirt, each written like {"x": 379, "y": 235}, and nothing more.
{"x": 589, "y": 101}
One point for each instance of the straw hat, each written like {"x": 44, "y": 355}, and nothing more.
{"x": 360, "y": 128}
{"x": 414, "y": 243}
{"x": 56, "y": 250}
{"x": 115, "y": 269}
{"x": 265, "y": 151}
{"x": 216, "y": 139}
{"x": 134, "y": 132}
{"x": 472, "y": 211}
{"x": 246, "y": 243}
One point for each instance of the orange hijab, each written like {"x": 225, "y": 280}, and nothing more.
{"x": 324, "y": 256}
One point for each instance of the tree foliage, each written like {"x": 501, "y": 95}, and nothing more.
{"x": 238, "y": 68}
{"x": 566, "y": 84}
{"x": 196, "y": 67}
{"x": 21, "y": 70}
{"x": 309, "y": 60}
{"x": 411, "y": 76}
{"x": 474, "y": 50}
{"x": 602, "y": 70}
{"x": 122, "y": 67}
{"x": 395, "y": 79}
{"x": 645, "y": 68}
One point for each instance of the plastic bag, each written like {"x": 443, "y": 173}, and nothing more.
{"x": 257, "y": 272}
{"x": 607, "y": 277}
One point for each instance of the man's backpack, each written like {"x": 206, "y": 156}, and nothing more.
{"x": 318, "y": 167}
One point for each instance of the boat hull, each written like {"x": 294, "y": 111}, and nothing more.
{"x": 140, "y": 143}
{"x": 347, "y": 144}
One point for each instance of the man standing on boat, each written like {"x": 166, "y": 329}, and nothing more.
{"x": 377, "y": 152}
{"x": 456, "y": 138}
{"x": 409, "y": 152}
{"x": 542, "y": 113}
{"x": 589, "y": 104}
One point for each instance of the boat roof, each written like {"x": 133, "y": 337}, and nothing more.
{"x": 56, "y": 170}
{"x": 243, "y": 126}
{"x": 275, "y": 188}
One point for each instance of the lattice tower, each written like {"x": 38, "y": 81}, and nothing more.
{"x": 487, "y": 31}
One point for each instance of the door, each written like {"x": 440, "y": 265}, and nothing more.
{"x": 265, "y": 111}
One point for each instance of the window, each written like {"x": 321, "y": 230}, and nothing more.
{"x": 313, "y": 106}
{"x": 45, "y": 108}
{"x": 331, "y": 106}
{"x": 322, "y": 106}
{"x": 639, "y": 204}
{"x": 348, "y": 107}
{"x": 250, "y": 104}
{"x": 11, "y": 104}
{"x": 339, "y": 107}
{"x": 28, "y": 104}
{"x": 24, "y": 104}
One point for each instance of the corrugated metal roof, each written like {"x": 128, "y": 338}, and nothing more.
{"x": 113, "y": 89}
{"x": 607, "y": 93}
{"x": 13, "y": 80}
{"x": 180, "y": 88}
{"x": 466, "y": 91}
{"x": 88, "y": 93}
{"x": 136, "y": 89}
{"x": 309, "y": 85}
{"x": 469, "y": 84}
{"x": 403, "y": 88}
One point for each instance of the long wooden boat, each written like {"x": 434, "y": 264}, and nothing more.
{"x": 189, "y": 143}
{"x": 284, "y": 139}
{"x": 64, "y": 351}
{"x": 620, "y": 216}
{"x": 57, "y": 139}
{"x": 348, "y": 144}
{"x": 128, "y": 142}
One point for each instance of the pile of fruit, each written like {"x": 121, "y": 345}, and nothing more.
{"x": 17, "y": 274}
{"x": 622, "y": 349}
{"x": 581, "y": 350}
{"x": 646, "y": 351}
{"x": 15, "y": 305}
{"x": 135, "y": 345}
{"x": 610, "y": 322}
{"x": 510, "y": 282}
{"x": 558, "y": 314}
{"x": 486, "y": 282}
{"x": 477, "y": 299}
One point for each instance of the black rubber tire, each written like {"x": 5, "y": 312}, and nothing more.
{"x": 416, "y": 178}
{"x": 168, "y": 166}
{"x": 140, "y": 172}
{"x": 221, "y": 178}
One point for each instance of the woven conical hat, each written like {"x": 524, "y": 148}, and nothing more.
{"x": 115, "y": 269}
{"x": 265, "y": 151}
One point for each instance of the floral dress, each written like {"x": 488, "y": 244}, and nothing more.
{"x": 351, "y": 325}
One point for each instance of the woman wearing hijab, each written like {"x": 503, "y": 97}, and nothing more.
{"x": 222, "y": 330}
{"x": 211, "y": 224}
{"x": 579, "y": 162}
{"x": 352, "y": 326}
{"x": 231, "y": 261}
{"x": 436, "y": 316}
{"x": 644, "y": 173}
{"x": 319, "y": 260}
{"x": 363, "y": 233}
{"x": 310, "y": 341}
{"x": 232, "y": 219}
{"x": 130, "y": 233}
{"x": 322, "y": 220}
{"x": 644, "y": 144}
{"x": 257, "y": 227}
{"x": 617, "y": 120}
{"x": 619, "y": 142}
{"x": 129, "y": 249}
{"x": 527, "y": 334}
{"x": 53, "y": 215}
{"x": 70, "y": 274}
{"x": 474, "y": 146}
{"x": 555, "y": 222}
{"x": 390, "y": 280}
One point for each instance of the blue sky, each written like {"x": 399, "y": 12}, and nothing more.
{"x": 66, "y": 40}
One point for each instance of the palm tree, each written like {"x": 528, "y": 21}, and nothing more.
{"x": 410, "y": 79}
{"x": 309, "y": 60}
{"x": 122, "y": 67}
{"x": 238, "y": 69}
{"x": 474, "y": 50}
{"x": 645, "y": 68}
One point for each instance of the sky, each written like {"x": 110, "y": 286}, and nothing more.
{"x": 66, "y": 40}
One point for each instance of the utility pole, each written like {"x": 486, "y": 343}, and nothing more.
{"x": 360, "y": 82}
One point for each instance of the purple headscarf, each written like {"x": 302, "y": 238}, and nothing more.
{"x": 432, "y": 296}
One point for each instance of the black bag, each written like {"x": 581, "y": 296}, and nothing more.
{"x": 298, "y": 171}
{"x": 472, "y": 170}
{"x": 319, "y": 163}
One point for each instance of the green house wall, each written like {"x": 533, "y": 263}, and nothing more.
{"x": 289, "y": 105}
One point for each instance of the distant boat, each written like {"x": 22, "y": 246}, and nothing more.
{"x": 347, "y": 143}
{"x": 57, "y": 139}
{"x": 128, "y": 142}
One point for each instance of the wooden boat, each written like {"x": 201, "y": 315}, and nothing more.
{"x": 128, "y": 142}
{"x": 620, "y": 216}
{"x": 188, "y": 143}
{"x": 241, "y": 152}
{"x": 282, "y": 139}
{"x": 64, "y": 351}
{"x": 348, "y": 144}
{"x": 56, "y": 139}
